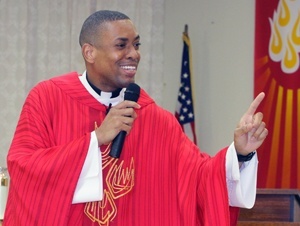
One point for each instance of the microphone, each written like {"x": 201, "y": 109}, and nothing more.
{"x": 132, "y": 93}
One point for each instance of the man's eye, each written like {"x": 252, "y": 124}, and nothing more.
{"x": 137, "y": 45}
{"x": 121, "y": 45}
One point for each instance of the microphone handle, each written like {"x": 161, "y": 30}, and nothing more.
{"x": 117, "y": 145}
{"x": 132, "y": 93}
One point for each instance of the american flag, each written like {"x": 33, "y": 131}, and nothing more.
{"x": 184, "y": 109}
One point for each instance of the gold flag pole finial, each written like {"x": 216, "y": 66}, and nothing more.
{"x": 186, "y": 28}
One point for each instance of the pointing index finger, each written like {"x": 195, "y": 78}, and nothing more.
{"x": 255, "y": 103}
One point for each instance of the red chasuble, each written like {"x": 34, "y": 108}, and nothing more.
{"x": 160, "y": 179}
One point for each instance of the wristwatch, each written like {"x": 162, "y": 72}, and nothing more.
{"x": 245, "y": 158}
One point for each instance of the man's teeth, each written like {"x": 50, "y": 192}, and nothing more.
{"x": 128, "y": 67}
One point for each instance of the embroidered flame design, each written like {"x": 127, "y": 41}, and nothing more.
{"x": 101, "y": 212}
{"x": 119, "y": 182}
{"x": 284, "y": 44}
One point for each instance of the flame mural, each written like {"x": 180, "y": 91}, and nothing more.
{"x": 277, "y": 73}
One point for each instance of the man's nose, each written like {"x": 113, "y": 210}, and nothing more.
{"x": 133, "y": 53}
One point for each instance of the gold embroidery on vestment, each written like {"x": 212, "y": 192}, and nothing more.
{"x": 96, "y": 210}
{"x": 119, "y": 181}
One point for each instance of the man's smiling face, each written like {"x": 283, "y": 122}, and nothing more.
{"x": 116, "y": 55}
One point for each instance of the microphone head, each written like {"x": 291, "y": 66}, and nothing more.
{"x": 132, "y": 92}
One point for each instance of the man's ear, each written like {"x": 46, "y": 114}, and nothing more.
{"x": 88, "y": 52}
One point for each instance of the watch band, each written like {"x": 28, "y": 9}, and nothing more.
{"x": 245, "y": 158}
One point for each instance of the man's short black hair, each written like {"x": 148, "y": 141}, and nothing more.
{"x": 89, "y": 30}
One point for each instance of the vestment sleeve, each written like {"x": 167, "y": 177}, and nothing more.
{"x": 90, "y": 185}
{"x": 44, "y": 161}
{"x": 203, "y": 178}
{"x": 241, "y": 183}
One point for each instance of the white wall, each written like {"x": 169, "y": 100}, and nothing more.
{"x": 222, "y": 37}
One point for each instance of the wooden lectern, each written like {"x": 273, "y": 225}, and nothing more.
{"x": 273, "y": 207}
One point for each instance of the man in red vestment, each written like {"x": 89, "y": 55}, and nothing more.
{"x": 59, "y": 164}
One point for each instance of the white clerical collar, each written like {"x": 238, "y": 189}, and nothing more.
{"x": 105, "y": 97}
